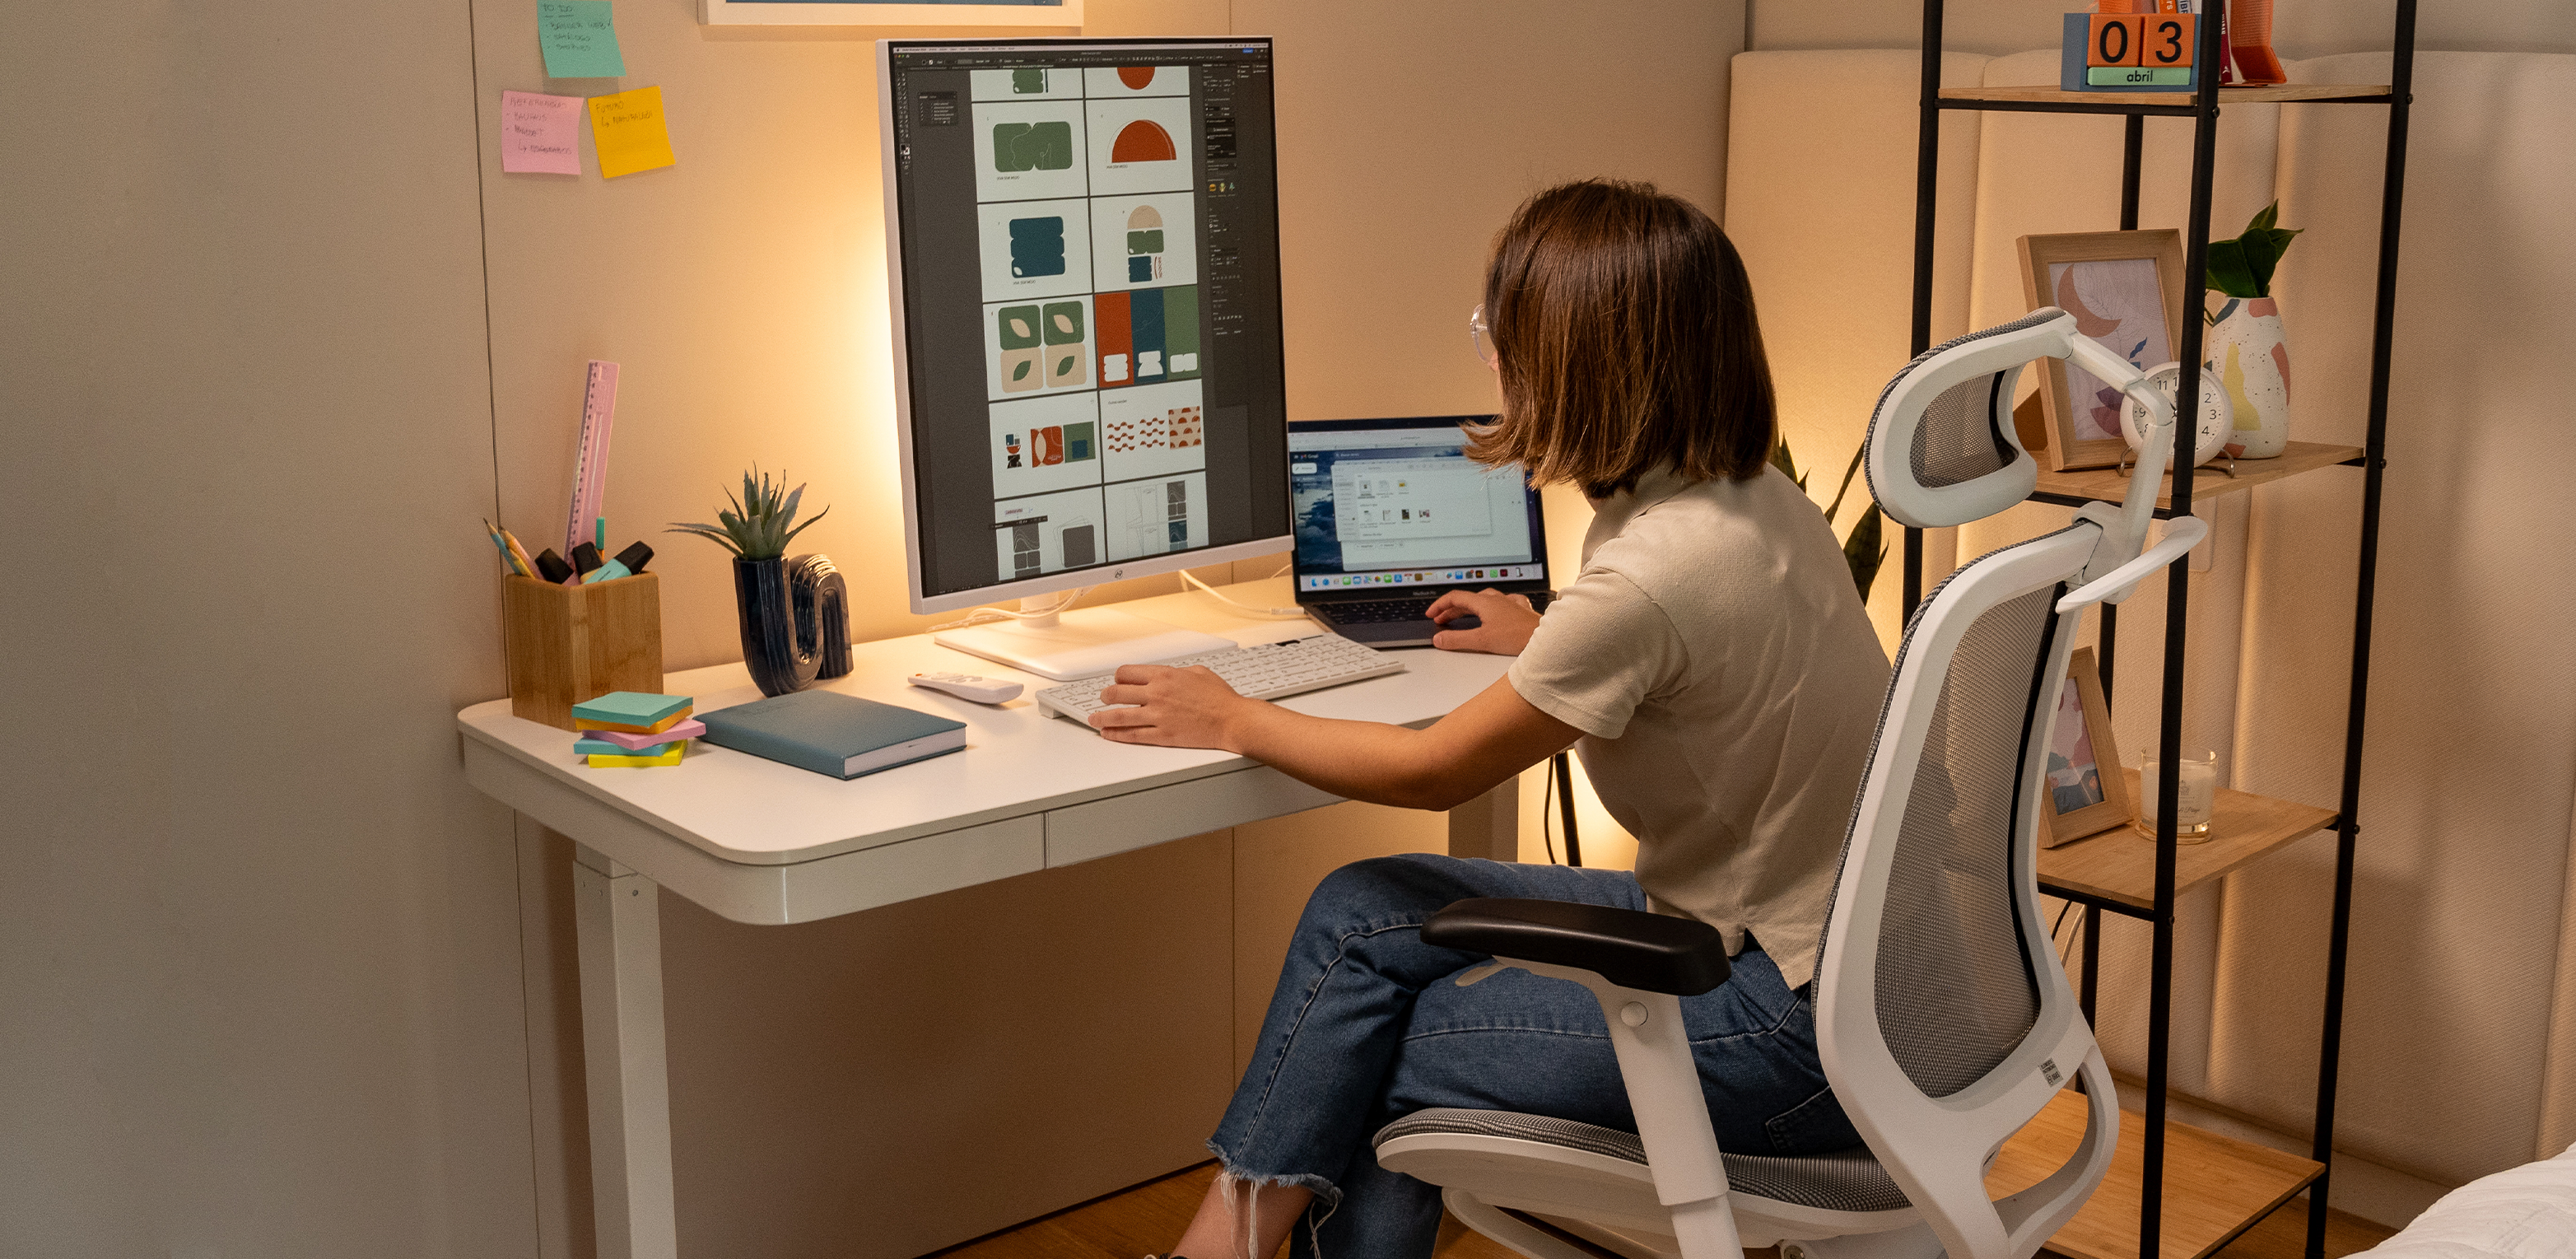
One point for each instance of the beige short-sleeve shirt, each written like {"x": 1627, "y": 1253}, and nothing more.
{"x": 1727, "y": 682}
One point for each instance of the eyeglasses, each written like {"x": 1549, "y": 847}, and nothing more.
{"x": 1482, "y": 334}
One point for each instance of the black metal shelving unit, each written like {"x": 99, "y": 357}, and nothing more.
{"x": 2203, "y": 107}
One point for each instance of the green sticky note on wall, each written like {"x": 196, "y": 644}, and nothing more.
{"x": 579, "y": 38}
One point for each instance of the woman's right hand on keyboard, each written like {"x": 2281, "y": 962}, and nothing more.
{"x": 1173, "y": 708}
{"x": 1508, "y": 621}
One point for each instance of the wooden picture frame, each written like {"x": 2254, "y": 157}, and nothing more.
{"x": 2090, "y": 794}
{"x": 2085, "y": 433}
{"x": 1028, "y": 13}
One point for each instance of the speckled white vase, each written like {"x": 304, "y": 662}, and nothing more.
{"x": 2251, "y": 359}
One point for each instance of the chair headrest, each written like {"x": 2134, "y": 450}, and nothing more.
{"x": 1942, "y": 450}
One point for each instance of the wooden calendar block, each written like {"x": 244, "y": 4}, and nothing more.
{"x": 2166, "y": 41}
{"x": 2116, "y": 39}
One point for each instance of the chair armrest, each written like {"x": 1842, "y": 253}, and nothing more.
{"x": 1628, "y": 947}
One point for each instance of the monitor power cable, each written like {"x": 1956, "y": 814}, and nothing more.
{"x": 1275, "y": 614}
{"x": 982, "y": 616}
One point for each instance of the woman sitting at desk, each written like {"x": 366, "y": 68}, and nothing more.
{"x": 1712, "y": 663}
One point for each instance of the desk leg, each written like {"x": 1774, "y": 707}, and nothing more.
{"x": 619, "y": 919}
{"x": 1490, "y": 825}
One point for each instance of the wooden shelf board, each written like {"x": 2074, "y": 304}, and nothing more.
{"x": 2226, "y": 95}
{"x": 2215, "y": 1187}
{"x": 2120, "y": 865}
{"x": 2110, "y": 484}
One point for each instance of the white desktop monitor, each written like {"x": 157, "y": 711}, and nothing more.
{"x": 1083, "y": 255}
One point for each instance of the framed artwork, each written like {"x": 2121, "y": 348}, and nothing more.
{"x": 2125, "y": 291}
{"x": 2083, "y": 791}
{"x": 1066, "y": 13}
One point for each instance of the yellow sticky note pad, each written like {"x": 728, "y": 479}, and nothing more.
{"x": 671, "y": 757}
{"x": 630, "y": 132}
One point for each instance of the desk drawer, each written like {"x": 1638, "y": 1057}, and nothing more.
{"x": 1101, "y": 828}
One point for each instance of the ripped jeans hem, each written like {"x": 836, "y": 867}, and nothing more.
{"x": 1328, "y": 1198}
{"x": 1327, "y": 1195}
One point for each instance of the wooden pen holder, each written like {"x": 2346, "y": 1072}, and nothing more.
{"x": 568, "y": 644}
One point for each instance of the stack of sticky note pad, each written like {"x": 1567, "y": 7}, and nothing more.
{"x": 624, "y": 729}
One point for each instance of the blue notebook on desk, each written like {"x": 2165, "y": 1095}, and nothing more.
{"x": 829, "y": 733}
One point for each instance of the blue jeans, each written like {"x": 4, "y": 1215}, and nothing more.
{"x": 1367, "y": 1027}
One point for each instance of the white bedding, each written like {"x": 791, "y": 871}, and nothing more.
{"x": 2526, "y": 1213}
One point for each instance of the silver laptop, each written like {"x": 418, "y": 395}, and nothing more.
{"x": 1391, "y": 514}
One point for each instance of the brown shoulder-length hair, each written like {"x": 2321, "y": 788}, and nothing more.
{"x": 1623, "y": 324}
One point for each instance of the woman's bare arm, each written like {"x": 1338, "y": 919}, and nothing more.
{"x": 1488, "y": 739}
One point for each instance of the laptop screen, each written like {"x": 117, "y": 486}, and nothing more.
{"x": 1390, "y": 504}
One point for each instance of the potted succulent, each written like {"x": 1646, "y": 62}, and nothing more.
{"x": 794, "y": 612}
{"x": 2245, "y": 347}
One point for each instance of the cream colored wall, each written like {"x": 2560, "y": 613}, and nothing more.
{"x": 274, "y": 979}
{"x": 743, "y": 293}
{"x": 2310, "y": 29}
{"x": 259, "y": 992}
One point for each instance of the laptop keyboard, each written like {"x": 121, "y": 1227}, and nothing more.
{"x": 1383, "y": 611}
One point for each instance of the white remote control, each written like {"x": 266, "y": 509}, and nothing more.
{"x": 968, "y": 686}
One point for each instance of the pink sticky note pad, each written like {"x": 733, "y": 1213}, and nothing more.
{"x": 540, "y": 135}
{"x": 689, "y": 729}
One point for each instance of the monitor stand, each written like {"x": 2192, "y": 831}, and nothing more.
{"x": 1080, "y": 644}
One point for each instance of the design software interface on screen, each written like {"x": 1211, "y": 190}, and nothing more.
{"x": 1405, "y": 507}
{"x": 1089, "y": 268}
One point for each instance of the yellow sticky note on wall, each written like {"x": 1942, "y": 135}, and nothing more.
{"x": 630, "y": 132}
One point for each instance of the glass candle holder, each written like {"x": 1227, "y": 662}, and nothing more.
{"x": 2195, "y": 795}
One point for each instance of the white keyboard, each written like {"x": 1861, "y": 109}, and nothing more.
{"x": 1265, "y": 672}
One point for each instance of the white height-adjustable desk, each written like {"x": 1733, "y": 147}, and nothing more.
{"x": 760, "y": 842}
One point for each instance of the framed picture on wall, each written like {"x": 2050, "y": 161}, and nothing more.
{"x": 2125, "y": 291}
{"x": 2082, "y": 791}
{"x": 1067, "y": 13}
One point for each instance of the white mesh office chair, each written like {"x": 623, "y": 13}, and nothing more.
{"x": 1943, "y": 1017}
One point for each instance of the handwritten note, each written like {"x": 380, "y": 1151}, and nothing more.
{"x": 630, "y": 133}
{"x": 579, "y": 38}
{"x": 539, "y": 134}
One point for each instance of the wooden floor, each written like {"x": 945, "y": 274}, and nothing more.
{"x": 1143, "y": 1220}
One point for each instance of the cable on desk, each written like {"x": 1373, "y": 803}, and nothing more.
{"x": 982, "y": 615}
{"x": 1276, "y": 614}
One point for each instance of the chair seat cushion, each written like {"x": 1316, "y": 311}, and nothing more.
{"x": 1842, "y": 1180}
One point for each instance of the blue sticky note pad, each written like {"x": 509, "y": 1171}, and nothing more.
{"x": 579, "y": 38}
{"x": 629, "y": 708}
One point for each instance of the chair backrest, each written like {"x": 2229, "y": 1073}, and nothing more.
{"x": 1938, "y": 897}
{"x": 1943, "y": 1016}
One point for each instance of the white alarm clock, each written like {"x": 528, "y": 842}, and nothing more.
{"x": 2217, "y": 420}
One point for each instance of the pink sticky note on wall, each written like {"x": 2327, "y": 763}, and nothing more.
{"x": 540, "y": 134}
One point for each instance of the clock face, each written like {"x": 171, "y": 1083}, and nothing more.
{"x": 2215, "y": 422}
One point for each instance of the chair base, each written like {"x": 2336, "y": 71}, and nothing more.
{"x": 1537, "y": 1235}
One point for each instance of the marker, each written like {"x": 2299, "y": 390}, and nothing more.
{"x": 585, "y": 558}
{"x": 635, "y": 556}
{"x": 599, "y": 533}
{"x": 610, "y": 571}
{"x": 551, "y": 567}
